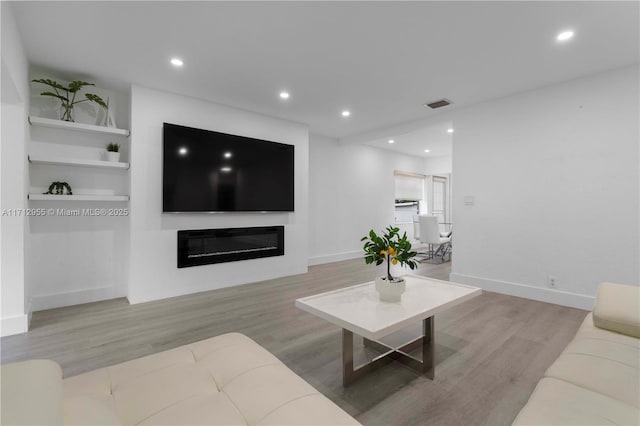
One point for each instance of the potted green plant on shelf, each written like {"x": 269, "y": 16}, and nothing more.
{"x": 59, "y": 188}
{"x": 394, "y": 249}
{"x": 67, "y": 95}
{"x": 113, "y": 152}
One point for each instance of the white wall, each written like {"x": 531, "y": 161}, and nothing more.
{"x": 554, "y": 173}
{"x": 13, "y": 178}
{"x": 438, "y": 165}
{"x": 153, "y": 273}
{"x": 351, "y": 190}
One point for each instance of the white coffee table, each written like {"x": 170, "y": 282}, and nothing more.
{"x": 358, "y": 309}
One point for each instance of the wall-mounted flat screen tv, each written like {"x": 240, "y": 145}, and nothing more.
{"x": 206, "y": 171}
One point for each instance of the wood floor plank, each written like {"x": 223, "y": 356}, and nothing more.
{"x": 490, "y": 351}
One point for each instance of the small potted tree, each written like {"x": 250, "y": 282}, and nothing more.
{"x": 113, "y": 152}
{"x": 393, "y": 249}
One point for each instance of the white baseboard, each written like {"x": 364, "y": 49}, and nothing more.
{"x": 77, "y": 297}
{"x": 29, "y": 313}
{"x": 564, "y": 298}
{"x": 14, "y": 325}
{"x": 337, "y": 257}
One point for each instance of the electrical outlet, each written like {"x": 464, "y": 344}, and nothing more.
{"x": 552, "y": 281}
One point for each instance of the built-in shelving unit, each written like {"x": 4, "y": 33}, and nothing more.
{"x": 77, "y": 162}
{"x": 81, "y": 127}
{"x": 62, "y": 160}
{"x": 80, "y": 197}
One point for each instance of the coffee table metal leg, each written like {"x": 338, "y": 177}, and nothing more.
{"x": 377, "y": 346}
{"x": 347, "y": 357}
{"x": 351, "y": 374}
{"x": 428, "y": 347}
{"x": 424, "y": 366}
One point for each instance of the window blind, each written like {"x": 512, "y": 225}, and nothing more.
{"x": 409, "y": 186}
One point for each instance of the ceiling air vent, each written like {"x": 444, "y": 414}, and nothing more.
{"x": 438, "y": 104}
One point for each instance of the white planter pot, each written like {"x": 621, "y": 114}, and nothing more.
{"x": 113, "y": 156}
{"x": 390, "y": 291}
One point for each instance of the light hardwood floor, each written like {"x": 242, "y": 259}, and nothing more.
{"x": 490, "y": 351}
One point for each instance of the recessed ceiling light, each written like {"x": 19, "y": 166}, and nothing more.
{"x": 346, "y": 113}
{"x": 427, "y": 150}
{"x": 284, "y": 95}
{"x": 183, "y": 151}
{"x": 177, "y": 62}
{"x": 225, "y": 169}
{"x": 564, "y": 36}
{"x": 449, "y": 130}
{"x": 391, "y": 141}
{"x": 228, "y": 154}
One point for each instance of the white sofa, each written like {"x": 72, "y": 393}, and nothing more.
{"x": 225, "y": 380}
{"x": 596, "y": 380}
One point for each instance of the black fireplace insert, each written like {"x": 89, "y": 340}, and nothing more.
{"x": 206, "y": 246}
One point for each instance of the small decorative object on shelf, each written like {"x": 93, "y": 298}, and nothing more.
{"x": 113, "y": 152}
{"x": 393, "y": 249}
{"x": 59, "y": 188}
{"x": 67, "y": 95}
{"x": 106, "y": 118}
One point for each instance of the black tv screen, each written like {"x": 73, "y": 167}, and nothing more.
{"x": 206, "y": 171}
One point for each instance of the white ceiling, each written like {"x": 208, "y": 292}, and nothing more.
{"x": 435, "y": 138}
{"x": 381, "y": 60}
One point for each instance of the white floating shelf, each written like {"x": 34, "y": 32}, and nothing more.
{"x": 82, "y": 197}
{"x": 77, "y": 162}
{"x": 81, "y": 127}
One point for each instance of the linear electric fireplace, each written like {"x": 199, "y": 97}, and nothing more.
{"x": 206, "y": 246}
